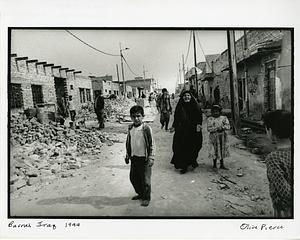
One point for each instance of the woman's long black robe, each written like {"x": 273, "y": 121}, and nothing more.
{"x": 187, "y": 142}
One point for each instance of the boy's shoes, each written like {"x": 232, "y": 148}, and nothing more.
{"x": 183, "y": 171}
{"x": 145, "y": 203}
{"x": 162, "y": 126}
{"x": 137, "y": 197}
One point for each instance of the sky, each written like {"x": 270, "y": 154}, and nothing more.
{"x": 159, "y": 52}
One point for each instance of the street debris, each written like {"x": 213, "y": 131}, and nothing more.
{"x": 41, "y": 152}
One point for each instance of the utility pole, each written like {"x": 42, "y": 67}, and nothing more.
{"x": 124, "y": 86}
{"x": 233, "y": 82}
{"x": 246, "y": 72}
{"x": 179, "y": 74}
{"x": 183, "y": 70}
{"x": 118, "y": 76}
{"x": 195, "y": 63}
{"x": 144, "y": 73}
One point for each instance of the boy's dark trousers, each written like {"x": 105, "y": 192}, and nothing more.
{"x": 140, "y": 177}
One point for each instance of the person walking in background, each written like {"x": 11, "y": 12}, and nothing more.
{"x": 187, "y": 139}
{"x": 279, "y": 128}
{"x": 140, "y": 150}
{"x": 72, "y": 109}
{"x": 165, "y": 109}
{"x": 218, "y": 140}
{"x": 99, "y": 110}
{"x": 157, "y": 100}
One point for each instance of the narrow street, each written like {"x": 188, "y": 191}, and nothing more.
{"x": 103, "y": 189}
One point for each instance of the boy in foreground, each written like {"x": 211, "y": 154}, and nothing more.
{"x": 140, "y": 150}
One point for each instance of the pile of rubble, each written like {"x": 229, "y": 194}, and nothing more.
{"x": 117, "y": 107}
{"x": 113, "y": 109}
{"x": 40, "y": 152}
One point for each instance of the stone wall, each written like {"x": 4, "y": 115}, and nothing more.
{"x": 81, "y": 82}
{"x": 27, "y": 74}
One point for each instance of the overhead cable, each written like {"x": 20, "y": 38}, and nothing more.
{"x": 129, "y": 66}
{"x": 114, "y": 55}
{"x": 188, "y": 50}
{"x": 203, "y": 52}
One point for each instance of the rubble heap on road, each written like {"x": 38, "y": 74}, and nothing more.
{"x": 113, "y": 108}
{"x": 117, "y": 107}
{"x": 41, "y": 152}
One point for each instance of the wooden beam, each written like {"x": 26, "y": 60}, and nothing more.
{"x": 49, "y": 65}
{"x": 77, "y": 72}
{"x": 21, "y": 58}
{"x": 56, "y": 67}
{"x": 70, "y": 70}
{"x": 31, "y": 61}
{"x": 13, "y": 55}
{"x": 63, "y": 69}
{"x": 41, "y": 63}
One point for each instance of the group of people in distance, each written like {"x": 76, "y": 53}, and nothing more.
{"x": 187, "y": 142}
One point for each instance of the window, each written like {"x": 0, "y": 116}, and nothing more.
{"x": 37, "y": 94}
{"x": 16, "y": 97}
{"x": 71, "y": 87}
{"x": 82, "y": 95}
{"x": 88, "y": 95}
{"x": 109, "y": 91}
{"x": 106, "y": 90}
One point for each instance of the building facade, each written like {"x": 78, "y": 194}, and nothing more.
{"x": 264, "y": 74}
{"x": 36, "y": 83}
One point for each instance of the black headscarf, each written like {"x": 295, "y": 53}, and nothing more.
{"x": 187, "y": 114}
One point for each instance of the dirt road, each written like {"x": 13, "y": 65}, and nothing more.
{"x": 103, "y": 188}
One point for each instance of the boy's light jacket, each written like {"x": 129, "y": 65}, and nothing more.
{"x": 149, "y": 141}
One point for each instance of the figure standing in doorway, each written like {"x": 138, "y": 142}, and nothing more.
{"x": 72, "y": 109}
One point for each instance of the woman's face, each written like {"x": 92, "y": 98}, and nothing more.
{"x": 186, "y": 97}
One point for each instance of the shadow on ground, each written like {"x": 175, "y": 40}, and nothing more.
{"x": 96, "y": 201}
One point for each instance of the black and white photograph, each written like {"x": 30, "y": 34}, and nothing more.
{"x": 183, "y": 122}
{"x": 150, "y": 123}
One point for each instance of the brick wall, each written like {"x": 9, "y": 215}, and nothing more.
{"x": 284, "y": 71}
{"x": 26, "y": 75}
{"x": 256, "y": 71}
{"x": 80, "y": 82}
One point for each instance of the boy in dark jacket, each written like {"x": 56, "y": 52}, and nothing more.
{"x": 140, "y": 150}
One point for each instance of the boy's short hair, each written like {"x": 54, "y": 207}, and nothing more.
{"x": 137, "y": 109}
{"x": 164, "y": 90}
{"x": 281, "y": 123}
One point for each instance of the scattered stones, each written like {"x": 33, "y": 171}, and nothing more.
{"x": 41, "y": 152}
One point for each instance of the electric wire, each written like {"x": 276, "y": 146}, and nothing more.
{"x": 203, "y": 51}
{"x": 129, "y": 67}
{"x": 109, "y": 54}
{"x": 188, "y": 51}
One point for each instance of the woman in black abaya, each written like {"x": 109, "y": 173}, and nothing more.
{"x": 187, "y": 140}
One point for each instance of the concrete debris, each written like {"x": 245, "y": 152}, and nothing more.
{"x": 42, "y": 151}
